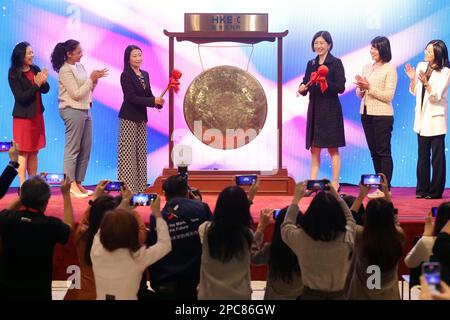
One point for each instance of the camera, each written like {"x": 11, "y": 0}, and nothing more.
{"x": 434, "y": 211}
{"x": 114, "y": 186}
{"x": 53, "y": 179}
{"x": 315, "y": 185}
{"x": 276, "y": 212}
{"x": 183, "y": 171}
{"x": 245, "y": 180}
{"x": 196, "y": 193}
{"x": 143, "y": 199}
{"x": 371, "y": 180}
{"x": 5, "y": 146}
{"x": 432, "y": 273}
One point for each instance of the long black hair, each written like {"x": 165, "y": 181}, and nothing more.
{"x": 229, "y": 234}
{"x": 440, "y": 54}
{"x": 17, "y": 58}
{"x": 442, "y": 217}
{"x": 98, "y": 208}
{"x": 283, "y": 263}
{"x": 358, "y": 216}
{"x": 59, "y": 54}
{"x": 126, "y": 56}
{"x": 382, "y": 243}
{"x": 324, "y": 219}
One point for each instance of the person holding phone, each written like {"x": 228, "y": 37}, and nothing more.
{"x": 226, "y": 248}
{"x": 27, "y": 83}
{"x": 441, "y": 252}
{"x": 119, "y": 259}
{"x": 325, "y": 124}
{"x": 83, "y": 238}
{"x": 137, "y": 97}
{"x": 427, "y": 294}
{"x": 423, "y": 249}
{"x": 378, "y": 243}
{"x": 322, "y": 242}
{"x": 176, "y": 276}
{"x": 75, "y": 102}
{"x": 284, "y": 279}
{"x": 376, "y": 88}
{"x": 28, "y": 239}
{"x": 430, "y": 86}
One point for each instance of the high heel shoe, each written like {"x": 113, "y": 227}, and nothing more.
{"x": 78, "y": 195}
{"x": 85, "y": 191}
{"x": 89, "y": 192}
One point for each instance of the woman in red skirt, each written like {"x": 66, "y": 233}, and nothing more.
{"x": 27, "y": 82}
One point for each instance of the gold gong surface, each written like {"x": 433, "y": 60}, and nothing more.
{"x": 225, "y": 107}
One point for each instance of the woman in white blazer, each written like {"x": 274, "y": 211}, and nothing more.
{"x": 429, "y": 83}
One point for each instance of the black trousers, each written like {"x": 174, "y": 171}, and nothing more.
{"x": 436, "y": 145}
{"x": 378, "y": 131}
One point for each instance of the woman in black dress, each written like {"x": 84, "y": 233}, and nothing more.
{"x": 325, "y": 124}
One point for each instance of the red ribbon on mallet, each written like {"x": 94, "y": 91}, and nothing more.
{"x": 173, "y": 82}
{"x": 320, "y": 77}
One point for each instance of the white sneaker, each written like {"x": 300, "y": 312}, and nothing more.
{"x": 377, "y": 194}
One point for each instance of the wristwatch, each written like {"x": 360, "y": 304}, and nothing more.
{"x": 13, "y": 164}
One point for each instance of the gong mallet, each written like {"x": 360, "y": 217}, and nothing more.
{"x": 173, "y": 83}
{"x": 318, "y": 77}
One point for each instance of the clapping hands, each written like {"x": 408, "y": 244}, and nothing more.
{"x": 41, "y": 77}
{"x": 362, "y": 83}
{"x": 97, "y": 74}
{"x": 410, "y": 72}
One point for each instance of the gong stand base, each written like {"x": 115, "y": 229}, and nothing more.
{"x": 213, "y": 182}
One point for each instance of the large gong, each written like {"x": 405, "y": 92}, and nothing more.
{"x": 225, "y": 107}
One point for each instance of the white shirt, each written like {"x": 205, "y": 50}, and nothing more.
{"x": 431, "y": 118}
{"x": 421, "y": 252}
{"x": 118, "y": 273}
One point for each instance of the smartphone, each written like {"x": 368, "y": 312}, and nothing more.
{"x": 276, "y": 212}
{"x": 143, "y": 199}
{"x": 54, "y": 179}
{"x": 434, "y": 211}
{"x": 114, "y": 186}
{"x": 371, "y": 180}
{"x": 245, "y": 180}
{"x": 432, "y": 273}
{"x": 196, "y": 192}
{"x": 315, "y": 185}
{"x": 5, "y": 146}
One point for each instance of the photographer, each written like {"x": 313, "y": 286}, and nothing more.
{"x": 10, "y": 171}
{"x": 176, "y": 275}
{"x": 441, "y": 252}
{"x": 28, "y": 238}
{"x": 378, "y": 243}
{"x": 322, "y": 243}
{"x": 88, "y": 227}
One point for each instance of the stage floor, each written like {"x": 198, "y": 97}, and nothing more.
{"x": 410, "y": 209}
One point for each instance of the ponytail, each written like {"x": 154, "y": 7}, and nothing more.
{"x": 59, "y": 54}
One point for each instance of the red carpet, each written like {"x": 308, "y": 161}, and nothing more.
{"x": 412, "y": 213}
